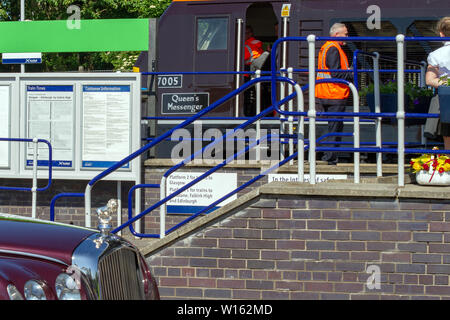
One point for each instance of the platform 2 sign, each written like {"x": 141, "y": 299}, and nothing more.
{"x": 184, "y": 103}
{"x": 200, "y": 195}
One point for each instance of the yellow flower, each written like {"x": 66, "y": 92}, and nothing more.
{"x": 417, "y": 166}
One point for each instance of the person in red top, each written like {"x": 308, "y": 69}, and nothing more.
{"x": 252, "y": 50}
{"x": 253, "y": 47}
{"x": 333, "y": 96}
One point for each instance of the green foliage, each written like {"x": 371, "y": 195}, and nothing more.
{"x": 411, "y": 90}
{"x": 89, "y": 9}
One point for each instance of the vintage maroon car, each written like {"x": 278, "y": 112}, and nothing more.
{"x": 41, "y": 260}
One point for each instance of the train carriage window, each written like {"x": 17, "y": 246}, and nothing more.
{"x": 212, "y": 34}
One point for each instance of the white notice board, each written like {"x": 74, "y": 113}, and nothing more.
{"x": 201, "y": 194}
{"x": 50, "y": 116}
{"x": 106, "y": 125}
{"x": 4, "y": 125}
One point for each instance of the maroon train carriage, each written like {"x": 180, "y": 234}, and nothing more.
{"x": 42, "y": 260}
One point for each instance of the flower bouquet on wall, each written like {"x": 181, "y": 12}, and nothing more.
{"x": 432, "y": 169}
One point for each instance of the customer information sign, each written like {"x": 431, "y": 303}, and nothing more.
{"x": 106, "y": 125}
{"x": 91, "y": 121}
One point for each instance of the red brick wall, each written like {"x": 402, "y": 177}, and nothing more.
{"x": 314, "y": 248}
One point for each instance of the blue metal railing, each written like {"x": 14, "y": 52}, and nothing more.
{"x": 34, "y": 189}
{"x": 275, "y": 107}
{"x": 50, "y": 166}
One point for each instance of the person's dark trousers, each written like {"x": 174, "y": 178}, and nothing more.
{"x": 249, "y": 100}
{"x": 333, "y": 105}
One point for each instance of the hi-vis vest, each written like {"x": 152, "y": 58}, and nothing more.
{"x": 252, "y": 50}
{"x": 331, "y": 90}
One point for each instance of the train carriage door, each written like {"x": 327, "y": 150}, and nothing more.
{"x": 261, "y": 23}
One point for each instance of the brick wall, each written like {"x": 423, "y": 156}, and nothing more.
{"x": 67, "y": 210}
{"x": 315, "y": 247}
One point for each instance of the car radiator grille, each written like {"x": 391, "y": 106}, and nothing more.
{"x": 118, "y": 275}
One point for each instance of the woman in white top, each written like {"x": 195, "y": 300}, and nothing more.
{"x": 438, "y": 67}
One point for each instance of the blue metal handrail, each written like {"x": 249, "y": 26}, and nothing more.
{"x": 275, "y": 107}
{"x": 190, "y": 184}
{"x": 190, "y": 158}
{"x": 50, "y": 166}
{"x": 168, "y": 133}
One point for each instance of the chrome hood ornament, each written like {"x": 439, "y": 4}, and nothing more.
{"x": 105, "y": 215}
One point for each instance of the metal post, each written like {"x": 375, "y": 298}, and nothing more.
{"x": 423, "y": 70}
{"x": 119, "y": 205}
{"x": 300, "y": 135}
{"x": 312, "y": 107}
{"x": 22, "y": 18}
{"x": 258, "y": 111}
{"x": 162, "y": 209}
{"x": 291, "y": 118}
{"x": 376, "y": 81}
{"x": 282, "y": 85}
{"x": 239, "y": 23}
{"x": 356, "y": 134}
{"x": 400, "y": 38}
{"x": 87, "y": 206}
{"x": 34, "y": 187}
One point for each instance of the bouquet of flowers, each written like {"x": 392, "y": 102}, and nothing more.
{"x": 431, "y": 163}
{"x": 439, "y": 163}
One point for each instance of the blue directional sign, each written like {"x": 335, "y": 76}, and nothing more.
{"x": 21, "y": 58}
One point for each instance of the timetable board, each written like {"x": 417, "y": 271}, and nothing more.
{"x": 91, "y": 120}
{"x": 50, "y": 110}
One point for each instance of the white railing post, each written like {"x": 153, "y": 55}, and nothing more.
{"x": 282, "y": 85}
{"x": 376, "y": 91}
{"x": 87, "y": 206}
{"x": 258, "y": 111}
{"x": 300, "y": 134}
{"x": 356, "y": 134}
{"x": 291, "y": 118}
{"x": 239, "y": 23}
{"x": 312, "y": 107}
{"x": 119, "y": 205}
{"x": 34, "y": 187}
{"x": 162, "y": 209}
{"x": 400, "y": 39}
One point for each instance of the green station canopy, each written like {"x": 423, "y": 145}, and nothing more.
{"x": 58, "y": 36}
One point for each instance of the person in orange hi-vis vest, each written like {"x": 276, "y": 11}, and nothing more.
{"x": 332, "y": 97}
{"x": 252, "y": 50}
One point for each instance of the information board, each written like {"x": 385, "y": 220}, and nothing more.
{"x": 50, "y": 110}
{"x": 105, "y": 125}
{"x": 201, "y": 194}
{"x": 92, "y": 121}
{"x": 4, "y": 125}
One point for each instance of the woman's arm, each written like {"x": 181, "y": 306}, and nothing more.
{"x": 432, "y": 77}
